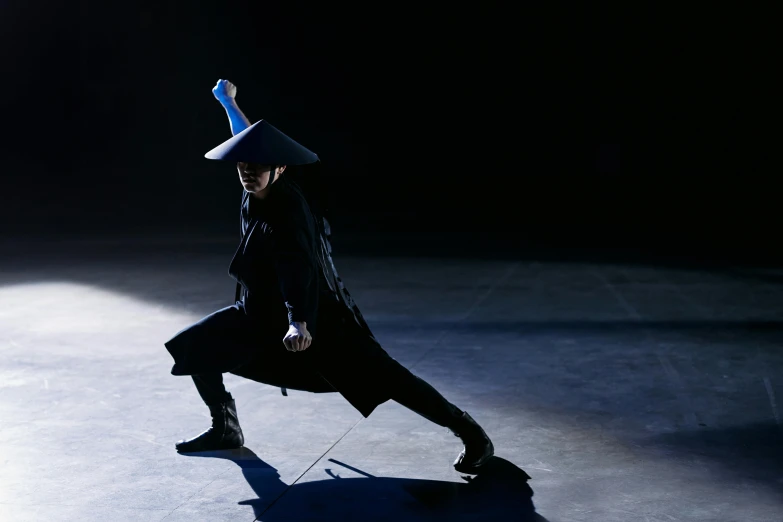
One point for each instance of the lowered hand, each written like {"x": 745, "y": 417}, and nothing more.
{"x": 298, "y": 338}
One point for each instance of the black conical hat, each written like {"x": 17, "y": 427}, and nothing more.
{"x": 262, "y": 143}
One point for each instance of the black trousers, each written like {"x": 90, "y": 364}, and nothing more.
{"x": 407, "y": 389}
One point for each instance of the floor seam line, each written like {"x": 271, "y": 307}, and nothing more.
{"x": 473, "y": 307}
{"x": 319, "y": 459}
{"x": 675, "y": 381}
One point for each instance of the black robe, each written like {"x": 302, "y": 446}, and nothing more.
{"x": 284, "y": 273}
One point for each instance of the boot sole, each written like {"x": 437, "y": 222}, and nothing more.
{"x": 208, "y": 448}
{"x": 214, "y": 448}
{"x": 473, "y": 469}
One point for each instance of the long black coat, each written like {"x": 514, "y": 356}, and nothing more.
{"x": 284, "y": 273}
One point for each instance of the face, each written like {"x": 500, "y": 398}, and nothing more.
{"x": 255, "y": 177}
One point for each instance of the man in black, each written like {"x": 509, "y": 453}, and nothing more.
{"x": 288, "y": 289}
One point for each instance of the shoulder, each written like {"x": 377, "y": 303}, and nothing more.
{"x": 291, "y": 208}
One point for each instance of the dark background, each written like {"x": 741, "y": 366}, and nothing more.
{"x": 486, "y": 130}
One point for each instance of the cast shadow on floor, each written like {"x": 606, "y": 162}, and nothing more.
{"x": 499, "y": 493}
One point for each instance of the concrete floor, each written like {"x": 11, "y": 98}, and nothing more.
{"x": 627, "y": 392}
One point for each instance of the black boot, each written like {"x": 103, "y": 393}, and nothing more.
{"x": 224, "y": 433}
{"x": 478, "y": 448}
{"x": 417, "y": 395}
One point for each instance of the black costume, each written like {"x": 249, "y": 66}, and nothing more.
{"x": 281, "y": 273}
{"x": 285, "y": 274}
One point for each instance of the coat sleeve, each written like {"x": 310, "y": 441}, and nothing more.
{"x": 296, "y": 264}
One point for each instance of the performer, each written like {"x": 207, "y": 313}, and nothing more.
{"x": 293, "y": 323}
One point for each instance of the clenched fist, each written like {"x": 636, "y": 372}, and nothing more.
{"x": 298, "y": 338}
{"x": 224, "y": 91}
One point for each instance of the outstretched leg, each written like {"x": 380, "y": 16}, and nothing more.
{"x": 225, "y": 432}
{"x": 419, "y": 396}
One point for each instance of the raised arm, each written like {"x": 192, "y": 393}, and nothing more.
{"x": 225, "y": 92}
